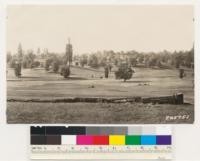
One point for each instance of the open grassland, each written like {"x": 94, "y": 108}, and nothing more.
{"x": 37, "y": 83}
{"x": 84, "y": 82}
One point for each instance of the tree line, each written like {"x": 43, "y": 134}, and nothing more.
{"x": 164, "y": 59}
{"x": 106, "y": 59}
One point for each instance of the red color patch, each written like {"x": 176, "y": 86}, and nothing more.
{"x": 101, "y": 140}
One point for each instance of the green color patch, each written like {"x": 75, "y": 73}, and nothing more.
{"x": 133, "y": 140}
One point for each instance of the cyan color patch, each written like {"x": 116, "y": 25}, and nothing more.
{"x": 148, "y": 140}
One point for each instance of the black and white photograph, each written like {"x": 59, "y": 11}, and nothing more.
{"x": 100, "y": 64}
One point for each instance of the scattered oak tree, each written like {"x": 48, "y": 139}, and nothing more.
{"x": 93, "y": 61}
{"x": 18, "y": 63}
{"x": 133, "y": 61}
{"x": 9, "y": 57}
{"x": 83, "y": 60}
{"x": 48, "y": 63}
{"x": 65, "y": 71}
{"x": 55, "y": 65}
{"x": 124, "y": 72}
{"x": 106, "y": 72}
{"x": 28, "y": 59}
{"x": 17, "y": 69}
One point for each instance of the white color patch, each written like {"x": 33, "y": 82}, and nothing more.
{"x": 68, "y": 139}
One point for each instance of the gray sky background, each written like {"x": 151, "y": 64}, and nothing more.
{"x": 93, "y": 28}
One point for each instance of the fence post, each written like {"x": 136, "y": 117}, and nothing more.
{"x": 179, "y": 98}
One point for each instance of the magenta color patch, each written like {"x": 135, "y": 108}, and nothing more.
{"x": 84, "y": 140}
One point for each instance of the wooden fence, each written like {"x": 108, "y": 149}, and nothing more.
{"x": 174, "y": 99}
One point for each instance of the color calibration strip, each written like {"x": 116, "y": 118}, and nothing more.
{"x": 101, "y": 140}
{"x": 151, "y": 142}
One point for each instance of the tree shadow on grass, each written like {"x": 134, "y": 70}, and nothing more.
{"x": 24, "y": 78}
{"x": 131, "y": 81}
{"x": 46, "y": 80}
{"x": 75, "y": 78}
{"x": 28, "y": 77}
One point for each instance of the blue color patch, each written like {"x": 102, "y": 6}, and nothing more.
{"x": 148, "y": 140}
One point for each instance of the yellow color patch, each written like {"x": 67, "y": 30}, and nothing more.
{"x": 117, "y": 140}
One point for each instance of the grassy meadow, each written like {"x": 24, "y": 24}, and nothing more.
{"x": 87, "y": 82}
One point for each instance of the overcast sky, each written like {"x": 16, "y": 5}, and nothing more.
{"x": 92, "y": 28}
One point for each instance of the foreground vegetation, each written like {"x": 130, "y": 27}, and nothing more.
{"x": 80, "y": 113}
